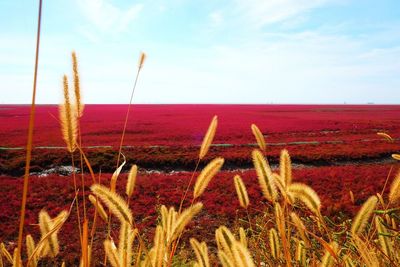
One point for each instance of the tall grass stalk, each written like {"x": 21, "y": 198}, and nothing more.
{"x": 30, "y": 135}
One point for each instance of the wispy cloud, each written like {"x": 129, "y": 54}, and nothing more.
{"x": 107, "y": 16}
{"x": 261, "y": 12}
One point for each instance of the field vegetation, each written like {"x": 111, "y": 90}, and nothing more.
{"x": 243, "y": 203}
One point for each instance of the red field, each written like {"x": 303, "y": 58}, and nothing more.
{"x": 334, "y": 149}
{"x": 167, "y": 136}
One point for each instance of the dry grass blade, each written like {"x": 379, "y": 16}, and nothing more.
{"x": 77, "y": 86}
{"x": 130, "y": 185}
{"x": 351, "y": 197}
{"x": 301, "y": 256}
{"x": 265, "y": 177}
{"x": 114, "y": 202}
{"x": 17, "y": 262}
{"x": 285, "y": 165}
{"x": 259, "y": 137}
{"x": 306, "y": 195}
{"x": 241, "y": 192}
{"x": 206, "y": 175}
{"x": 386, "y": 136}
{"x": 115, "y": 175}
{"x": 394, "y": 193}
{"x": 363, "y": 215}
{"x": 208, "y": 138}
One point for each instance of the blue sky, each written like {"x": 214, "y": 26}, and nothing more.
{"x": 239, "y": 51}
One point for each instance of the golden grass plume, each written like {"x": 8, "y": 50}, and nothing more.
{"x": 130, "y": 185}
{"x": 114, "y": 202}
{"x": 241, "y": 191}
{"x": 306, "y": 195}
{"x": 394, "y": 193}
{"x": 201, "y": 251}
{"x": 285, "y": 165}
{"x": 68, "y": 119}
{"x": 264, "y": 174}
{"x": 259, "y": 137}
{"x": 99, "y": 207}
{"x": 363, "y": 215}
{"x": 77, "y": 86}
{"x": 206, "y": 175}
{"x": 208, "y": 138}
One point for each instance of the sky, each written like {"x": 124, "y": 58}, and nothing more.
{"x": 198, "y": 51}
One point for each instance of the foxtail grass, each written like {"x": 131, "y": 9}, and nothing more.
{"x": 259, "y": 137}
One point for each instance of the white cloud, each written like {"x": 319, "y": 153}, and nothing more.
{"x": 107, "y": 16}
{"x": 262, "y": 12}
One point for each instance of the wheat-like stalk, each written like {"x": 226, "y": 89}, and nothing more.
{"x": 259, "y": 137}
{"x": 130, "y": 185}
{"x": 224, "y": 239}
{"x": 208, "y": 138}
{"x": 51, "y": 247}
{"x": 394, "y": 193}
{"x": 68, "y": 119}
{"x": 242, "y": 255}
{"x": 367, "y": 253}
{"x": 328, "y": 260}
{"x": 351, "y": 197}
{"x": 225, "y": 260}
{"x": 396, "y": 156}
{"x": 99, "y": 207}
{"x": 126, "y": 238}
{"x": 183, "y": 220}
{"x": 241, "y": 192}
{"x": 348, "y": 262}
{"x": 285, "y": 165}
{"x": 30, "y": 248}
{"x": 141, "y": 60}
{"x": 301, "y": 229}
{"x": 264, "y": 174}
{"x": 206, "y": 175}
{"x": 383, "y": 238}
{"x": 5, "y": 253}
{"x": 363, "y": 215}
{"x": 114, "y": 202}
{"x": 274, "y": 243}
{"x": 242, "y": 237}
{"x": 77, "y": 86}
{"x": 17, "y": 262}
{"x": 300, "y": 255}
{"x": 386, "y": 136}
{"x": 201, "y": 252}
{"x": 157, "y": 258}
{"x": 306, "y": 195}
{"x": 112, "y": 253}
